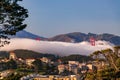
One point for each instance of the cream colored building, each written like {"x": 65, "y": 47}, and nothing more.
{"x": 12, "y": 55}
{"x": 56, "y": 78}
{"x": 5, "y": 73}
{"x": 46, "y": 60}
{"x": 73, "y": 62}
{"x": 29, "y": 61}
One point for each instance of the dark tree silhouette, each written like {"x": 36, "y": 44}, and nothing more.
{"x": 12, "y": 16}
{"x": 11, "y": 64}
{"x": 37, "y": 65}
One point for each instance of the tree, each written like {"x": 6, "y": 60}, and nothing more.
{"x": 11, "y": 64}
{"x": 109, "y": 55}
{"x": 117, "y": 49}
{"x": 118, "y": 62}
{"x": 96, "y": 54}
{"x": 113, "y": 58}
{"x": 12, "y": 16}
{"x": 37, "y": 65}
{"x": 14, "y": 76}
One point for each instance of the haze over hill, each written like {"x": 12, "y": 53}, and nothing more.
{"x": 55, "y": 47}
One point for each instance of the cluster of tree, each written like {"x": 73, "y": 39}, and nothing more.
{"x": 105, "y": 74}
{"x": 47, "y": 68}
{"x": 110, "y": 56}
{"x": 8, "y": 65}
{"x": 76, "y": 57}
{"x": 4, "y": 54}
{"x": 66, "y": 73}
{"x": 14, "y": 76}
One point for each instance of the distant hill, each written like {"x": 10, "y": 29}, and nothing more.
{"x": 26, "y": 54}
{"x": 4, "y": 54}
{"x": 31, "y": 54}
{"x": 25, "y": 34}
{"x": 79, "y": 37}
{"x": 71, "y": 37}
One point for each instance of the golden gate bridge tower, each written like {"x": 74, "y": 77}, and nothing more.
{"x": 92, "y": 41}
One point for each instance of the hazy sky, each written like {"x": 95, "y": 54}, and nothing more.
{"x": 51, "y": 17}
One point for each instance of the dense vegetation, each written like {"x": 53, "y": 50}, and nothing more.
{"x": 76, "y": 57}
{"x": 112, "y": 57}
{"x": 4, "y": 54}
{"x": 8, "y": 65}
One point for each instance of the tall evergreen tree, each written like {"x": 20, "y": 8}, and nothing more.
{"x": 12, "y": 16}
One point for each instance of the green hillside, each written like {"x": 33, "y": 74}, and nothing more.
{"x": 4, "y": 54}
{"x": 76, "y": 57}
{"x": 32, "y": 54}
{"x": 20, "y": 53}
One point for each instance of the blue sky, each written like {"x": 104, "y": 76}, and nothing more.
{"x": 52, "y": 17}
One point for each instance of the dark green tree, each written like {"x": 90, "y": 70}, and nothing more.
{"x": 11, "y": 64}
{"x": 37, "y": 65}
{"x": 13, "y": 77}
{"x": 12, "y": 16}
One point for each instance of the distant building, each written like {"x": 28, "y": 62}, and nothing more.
{"x": 83, "y": 68}
{"x": 49, "y": 77}
{"x": 21, "y": 60}
{"x": 29, "y": 61}
{"x": 55, "y": 77}
{"x": 4, "y": 60}
{"x": 12, "y": 55}
{"x": 73, "y": 66}
{"x": 73, "y": 62}
{"x": 91, "y": 68}
{"x": 42, "y": 78}
{"x": 5, "y": 73}
{"x": 100, "y": 65}
{"x": 46, "y": 60}
{"x": 59, "y": 61}
{"x": 61, "y": 68}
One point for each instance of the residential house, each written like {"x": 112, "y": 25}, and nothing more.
{"x": 29, "y": 61}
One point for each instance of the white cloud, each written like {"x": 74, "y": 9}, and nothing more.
{"x": 59, "y": 48}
